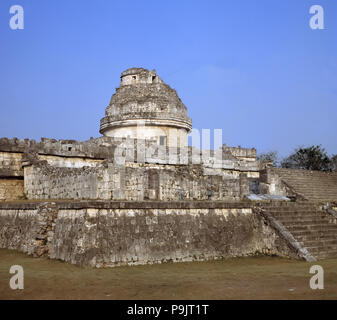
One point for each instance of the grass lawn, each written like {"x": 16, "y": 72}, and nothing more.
{"x": 237, "y": 278}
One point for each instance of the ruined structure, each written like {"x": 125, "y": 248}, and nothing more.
{"x": 143, "y": 155}
{"x": 134, "y": 194}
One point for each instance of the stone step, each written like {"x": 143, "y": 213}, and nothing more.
{"x": 328, "y": 184}
{"x": 316, "y": 236}
{"x": 320, "y": 191}
{"x": 287, "y": 204}
{"x": 319, "y": 179}
{"x": 308, "y": 241}
{"x": 304, "y": 230}
{"x": 327, "y": 192}
{"x": 300, "y": 217}
{"x": 301, "y": 214}
{"x": 294, "y": 229}
{"x": 304, "y": 220}
{"x": 326, "y": 189}
{"x": 326, "y": 255}
{"x": 314, "y": 231}
{"x": 323, "y": 195}
{"x": 309, "y": 226}
{"x": 315, "y": 207}
{"x": 306, "y": 233}
{"x": 320, "y": 250}
{"x": 322, "y": 242}
{"x": 296, "y": 212}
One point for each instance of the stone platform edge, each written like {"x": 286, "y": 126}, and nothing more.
{"x": 104, "y": 204}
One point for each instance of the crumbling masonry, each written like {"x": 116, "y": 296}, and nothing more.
{"x": 141, "y": 194}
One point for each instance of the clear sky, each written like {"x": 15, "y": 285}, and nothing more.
{"x": 252, "y": 68}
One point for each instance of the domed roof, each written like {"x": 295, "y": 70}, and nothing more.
{"x": 143, "y": 95}
{"x": 133, "y": 71}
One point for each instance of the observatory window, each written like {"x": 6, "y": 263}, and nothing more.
{"x": 162, "y": 140}
{"x": 153, "y": 78}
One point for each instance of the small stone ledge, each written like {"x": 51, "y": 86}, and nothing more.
{"x": 106, "y": 204}
{"x": 98, "y": 204}
{"x": 10, "y": 174}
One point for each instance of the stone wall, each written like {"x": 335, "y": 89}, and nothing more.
{"x": 100, "y": 148}
{"x": 70, "y": 162}
{"x": 248, "y": 154}
{"x": 11, "y": 176}
{"x": 107, "y": 234}
{"x": 111, "y": 168}
{"x": 27, "y": 227}
{"x": 11, "y": 189}
{"x": 10, "y": 164}
{"x": 271, "y": 183}
{"x": 149, "y": 151}
{"x": 134, "y": 181}
{"x": 46, "y": 182}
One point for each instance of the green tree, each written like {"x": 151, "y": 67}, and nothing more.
{"x": 269, "y": 157}
{"x": 333, "y": 162}
{"x": 311, "y": 158}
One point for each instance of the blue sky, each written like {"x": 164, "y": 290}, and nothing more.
{"x": 252, "y": 68}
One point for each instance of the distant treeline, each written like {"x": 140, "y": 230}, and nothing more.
{"x": 310, "y": 158}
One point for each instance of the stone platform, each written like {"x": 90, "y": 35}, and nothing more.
{"x": 115, "y": 233}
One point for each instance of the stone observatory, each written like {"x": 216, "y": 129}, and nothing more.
{"x": 144, "y": 107}
{"x": 132, "y": 196}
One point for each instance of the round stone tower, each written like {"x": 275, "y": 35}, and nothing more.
{"x": 145, "y": 107}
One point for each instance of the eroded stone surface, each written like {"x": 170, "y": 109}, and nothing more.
{"x": 112, "y": 237}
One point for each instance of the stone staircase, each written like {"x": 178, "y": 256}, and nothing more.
{"x": 313, "y": 185}
{"x": 312, "y": 226}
